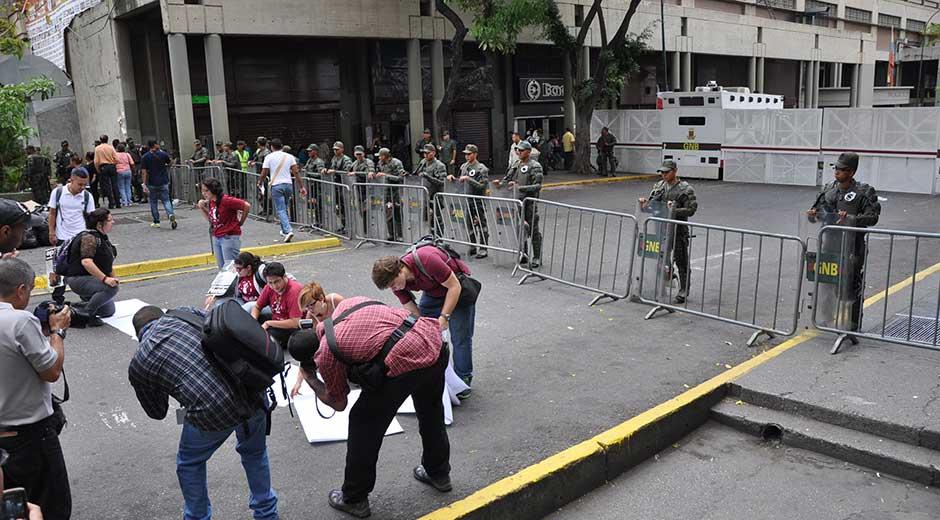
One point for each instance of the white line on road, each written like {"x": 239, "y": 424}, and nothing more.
{"x": 719, "y": 255}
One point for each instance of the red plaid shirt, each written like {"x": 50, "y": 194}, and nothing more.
{"x": 362, "y": 334}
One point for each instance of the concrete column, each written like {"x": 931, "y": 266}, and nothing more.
{"x": 498, "y": 111}
{"x": 752, "y": 74}
{"x": 800, "y": 99}
{"x": 215, "y": 72}
{"x": 510, "y": 79}
{"x": 128, "y": 85}
{"x": 816, "y": 84}
{"x": 687, "y": 71}
{"x": 437, "y": 82}
{"x": 365, "y": 92}
{"x": 853, "y": 86}
{"x": 760, "y": 74}
{"x": 676, "y": 76}
{"x": 808, "y": 85}
{"x": 415, "y": 105}
{"x": 866, "y": 85}
{"x": 182, "y": 94}
{"x": 569, "y": 90}
{"x": 838, "y": 75}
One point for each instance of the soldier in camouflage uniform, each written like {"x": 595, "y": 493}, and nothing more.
{"x": 527, "y": 175}
{"x": 362, "y": 168}
{"x": 200, "y": 156}
{"x": 680, "y": 198}
{"x": 340, "y": 165}
{"x": 62, "y": 161}
{"x": 226, "y": 160}
{"x": 312, "y": 169}
{"x": 477, "y": 176}
{"x": 38, "y": 171}
{"x": 393, "y": 171}
{"x": 434, "y": 174}
{"x": 853, "y": 204}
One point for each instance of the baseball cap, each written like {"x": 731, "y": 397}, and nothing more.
{"x": 197, "y": 141}
{"x": 12, "y": 212}
{"x": 385, "y": 151}
{"x": 64, "y": 143}
{"x": 313, "y": 147}
{"x": 262, "y": 140}
{"x": 668, "y": 165}
{"x": 847, "y": 161}
{"x": 470, "y": 148}
{"x": 524, "y": 145}
{"x": 426, "y": 131}
{"x": 359, "y": 149}
{"x": 338, "y": 145}
{"x": 429, "y": 148}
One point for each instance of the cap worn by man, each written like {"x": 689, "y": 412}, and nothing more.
{"x": 470, "y": 148}
{"x": 359, "y": 149}
{"x": 668, "y": 166}
{"x": 338, "y": 145}
{"x": 12, "y": 212}
{"x": 429, "y": 148}
{"x": 385, "y": 151}
{"x": 524, "y": 145}
{"x": 847, "y": 161}
{"x": 313, "y": 148}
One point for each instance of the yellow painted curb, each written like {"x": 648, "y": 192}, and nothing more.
{"x": 602, "y": 180}
{"x": 181, "y": 262}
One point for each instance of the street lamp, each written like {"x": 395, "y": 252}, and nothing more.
{"x": 920, "y": 67}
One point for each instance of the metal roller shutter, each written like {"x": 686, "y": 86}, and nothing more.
{"x": 295, "y": 128}
{"x": 473, "y": 128}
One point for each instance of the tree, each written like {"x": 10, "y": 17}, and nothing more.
{"x": 932, "y": 34}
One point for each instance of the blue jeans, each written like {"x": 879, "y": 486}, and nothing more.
{"x": 124, "y": 187}
{"x": 160, "y": 193}
{"x": 226, "y": 248}
{"x": 282, "y": 193}
{"x": 461, "y": 331}
{"x": 197, "y": 446}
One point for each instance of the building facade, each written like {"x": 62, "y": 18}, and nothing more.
{"x": 320, "y": 70}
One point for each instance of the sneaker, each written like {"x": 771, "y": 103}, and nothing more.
{"x": 441, "y": 484}
{"x": 524, "y": 261}
{"x": 173, "y": 223}
{"x": 482, "y": 254}
{"x": 463, "y": 396}
{"x": 472, "y": 252}
{"x": 535, "y": 263}
{"x": 680, "y": 299}
{"x": 154, "y": 224}
{"x": 94, "y": 321}
{"x": 358, "y": 509}
{"x": 288, "y": 237}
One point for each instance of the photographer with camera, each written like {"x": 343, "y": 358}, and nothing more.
{"x": 30, "y": 420}
{"x": 391, "y": 354}
{"x": 91, "y": 267}
{"x": 14, "y": 219}
{"x": 171, "y": 361}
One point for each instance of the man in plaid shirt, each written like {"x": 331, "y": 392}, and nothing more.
{"x": 170, "y": 361}
{"x": 415, "y": 365}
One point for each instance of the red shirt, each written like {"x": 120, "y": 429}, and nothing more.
{"x": 362, "y": 334}
{"x": 224, "y": 216}
{"x": 247, "y": 290}
{"x": 438, "y": 264}
{"x": 284, "y": 306}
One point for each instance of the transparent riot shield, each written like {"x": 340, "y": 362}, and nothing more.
{"x": 414, "y": 209}
{"x": 658, "y": 278}
{"x": 355, "y": 206}
{"x": 504, "y": 221}
{"x": 835, "y": 261}
{"x": 376, "y": 211}
{"x": 454, "y": 215}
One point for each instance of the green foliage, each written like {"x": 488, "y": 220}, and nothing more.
{"x": 14, "y": 126}
{"x": 498, "y": 23}
{"x": 623, "y": 62}
{"x": 932, "y": 34}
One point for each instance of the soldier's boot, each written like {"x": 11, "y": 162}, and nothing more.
{"x": 683, "y": 286}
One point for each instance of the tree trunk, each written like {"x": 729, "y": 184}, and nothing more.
{"x": 582, "y": 139}
{"x": 442, "y": 113}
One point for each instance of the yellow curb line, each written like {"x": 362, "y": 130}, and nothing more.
{"x": 622, "y": 433}
{"x": 181, "y": 262}
{"x": 602, "y": 180}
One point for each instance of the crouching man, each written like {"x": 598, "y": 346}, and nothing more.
{"x": 391, "y": 354}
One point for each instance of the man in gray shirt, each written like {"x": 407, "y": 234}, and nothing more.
{"x": 29, "y": 363}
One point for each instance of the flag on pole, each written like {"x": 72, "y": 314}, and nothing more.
{"x": 891, "y": 60}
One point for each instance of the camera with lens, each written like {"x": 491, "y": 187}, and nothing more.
{"x": 47, "y": 308}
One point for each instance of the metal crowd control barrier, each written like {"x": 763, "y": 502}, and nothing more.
{"x": 582, "y": 247}
{"x": 181, "y": 181}
{"x": 389, "y": 213}
{"x": 492, "y": 224}
{"x": 754, "y": 279}
{"x": 847, "y": 257}
{"x": 325, "y": 207}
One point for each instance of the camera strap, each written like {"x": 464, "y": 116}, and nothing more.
{"x": 65, "y": 390}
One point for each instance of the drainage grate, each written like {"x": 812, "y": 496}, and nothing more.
{"x": 923, "y": 330}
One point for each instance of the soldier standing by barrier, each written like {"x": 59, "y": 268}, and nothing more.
{"x": 448, "y": 152}
{"x": 853, "y": 204}
{"x": 422, "y": 144}
{"x": 257, "y": 159}
{"x": 229, "y": 163}
{"x": 393, "y": 171}
{"x": 312, "y": 169}
{"x": 477, "y": 176}
{"x": 62, "y": 160}
{"x": 200, "y": 155}
{"x": 527, "y": 175}
{"x": 340, "y": 165}
{"x": 434, "y": 174}
{"x": 38, "y": 171}
{"x": 680, "y": 197}
{"x": 362, "y": 168}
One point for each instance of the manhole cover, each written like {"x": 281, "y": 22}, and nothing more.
{"x": 922, "y": 329}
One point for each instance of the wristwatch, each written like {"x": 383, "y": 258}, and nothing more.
{"x": 446, "y": 316}
{"x": 59, "y": 332}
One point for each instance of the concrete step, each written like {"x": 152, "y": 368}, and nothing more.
{"x": 881, "y": 454}
{"x": 916, "y": 435}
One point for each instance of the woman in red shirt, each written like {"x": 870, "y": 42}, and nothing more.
{"x": 226, "y": 214}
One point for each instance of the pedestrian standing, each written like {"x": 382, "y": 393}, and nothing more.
{"x": 514, "y": 151}
{"x": 340, "y": 165}
{"x": 125, "y": 166}
{"x": 477, "y": 177}
{"x": 94, "y": 182}
{"x": 426, "y": 140}
{"x": 226, "y": 214}
{"x": 171, "y": 362}
{"x": 526, "y": 176}
{"x": 38, "y": 173}
{"x": 363, "y": 169}
{"x": 413, "y": 364}
{"x": 31, "y": 358}
{"x": 606, "y": 162}
{"x": 256, "y": 163}
{"x": 68, "y": 206}
{"x": 567, "y": 143}
{"x": 283, "y": 170}
{"x": 156, "y": 179}
{"x": 448, "y": 152}
{"x": 392, "y": 171}
{"x": 679, "y": 196}
{"x": 137, "y": 188}
{"x": 106, "y": 165}
{"x": 242, "y": 155}
{"x": 63, "y": 160}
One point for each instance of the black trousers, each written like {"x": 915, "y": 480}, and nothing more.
{"x": 36, "y": 464}
{"x": 107, "y": 178}
{"x": 680, "y": 255}
{"x": 374, "y": 411}
{"x": 477, "y": 223}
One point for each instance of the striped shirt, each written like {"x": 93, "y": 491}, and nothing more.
{"x": 170, "y": 361}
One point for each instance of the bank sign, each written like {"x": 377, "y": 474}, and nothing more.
{"x": 541, "y": 90}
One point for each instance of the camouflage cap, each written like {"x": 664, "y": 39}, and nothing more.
{"x": 470, "y": 148}
{"x": 668, "y": 166}
{"x": 385, "y": 151}
{"x": 524, "y": 145}
{"x": 359, "y": 149}
{"x": 313, "y": 148}
{"x": 429, "y": 148}
{"x": 847, "y": 161}
{"x": 338, "y": 145}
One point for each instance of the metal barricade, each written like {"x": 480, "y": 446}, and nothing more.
{"x": 754, "y": 275}
{"x": 582, "y": 247}
{"x": 236, "y": 183}
{"x": 491, "y": 224}
{"x": 324, "y": 208}
{"x": 389, "y": 213}
{"x": 181, "y": 181}
{"x": 847, "y": 257}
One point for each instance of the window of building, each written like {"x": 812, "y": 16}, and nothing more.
{"x": 781, "y": 4}
{"x": 697, "y": 101}
{"x": 691, "y": 121}
{"x": 711, "y": 101}
{"x": 931, "y": 3}
{"x": 425, "y": 8}
{"x": 889, "y": 21}
{"x": 916, "y": 25}
{"x": 857, "y": 15}
{"x": 578, "y": 15}
{"x": 820, "y": 12}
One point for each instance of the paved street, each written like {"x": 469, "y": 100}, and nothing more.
{"x": 549, "y": 372}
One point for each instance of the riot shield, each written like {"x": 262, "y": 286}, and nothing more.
{"x": 504, "y": 221}
{"x": 414, "y": 209}
{"x": 453, "y": 213}
{"x": 356, "y": 206}
{"x": 834, "y": 267}
{"x": 376, "y": 212}
{"x": 658, "y": 278}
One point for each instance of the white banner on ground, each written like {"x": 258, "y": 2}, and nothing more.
{"x": 336, "y": 428}
{"x": 123, "y": 316}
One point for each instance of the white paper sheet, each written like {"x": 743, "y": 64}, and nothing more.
{"x": 336, "y": 428}
{"x": 293, "y": 372}
{"x": 408, "y": 407}
{"x": 123, "y": 316}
